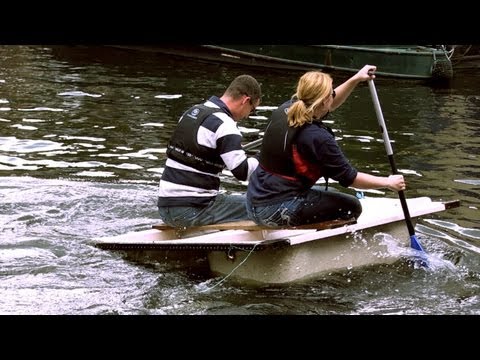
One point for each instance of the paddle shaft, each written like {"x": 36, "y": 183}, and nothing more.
{"x": 252, "y": 144}
{"x": 388, "y": 148}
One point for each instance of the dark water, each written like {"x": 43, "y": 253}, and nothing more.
{"x": 83, "y": 133}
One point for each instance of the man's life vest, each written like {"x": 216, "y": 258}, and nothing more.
{"x": 184, "y": 148}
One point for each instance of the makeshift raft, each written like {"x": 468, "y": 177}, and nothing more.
{"x": 246, "y": 251}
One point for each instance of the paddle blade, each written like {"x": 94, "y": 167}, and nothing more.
{"x": 415, "y": 244}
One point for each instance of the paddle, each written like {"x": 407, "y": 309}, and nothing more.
{"x": 414, "y": 243}
{"x": 252, "y": 144}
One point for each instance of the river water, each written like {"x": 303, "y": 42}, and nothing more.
{"x": 83, "y": 132}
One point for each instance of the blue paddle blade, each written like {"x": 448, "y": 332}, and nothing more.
{"x": 415, "y": 244}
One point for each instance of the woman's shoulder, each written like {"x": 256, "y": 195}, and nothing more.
{"x": 318, "y": 127}
{"x": 316, "y": 133}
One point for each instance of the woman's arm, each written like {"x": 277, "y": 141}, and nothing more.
{"x": 344, "y": 90}
{"x": 367, "y": 181}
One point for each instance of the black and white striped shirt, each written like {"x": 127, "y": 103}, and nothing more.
{"x": 182, "y": 185}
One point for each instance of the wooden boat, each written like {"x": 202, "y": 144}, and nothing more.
{"x": 393, "y": 61}
{"x": 257, "y": 254}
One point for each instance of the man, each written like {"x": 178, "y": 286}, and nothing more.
{"x": 206, "y": 141}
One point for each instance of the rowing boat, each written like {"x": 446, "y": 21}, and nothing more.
{"x": 248, "y": 252}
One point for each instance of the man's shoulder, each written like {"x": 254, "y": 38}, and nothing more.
{"x": 286, "y": 104}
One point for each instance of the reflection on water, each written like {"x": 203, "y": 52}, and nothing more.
{"x": 83, "y": 133}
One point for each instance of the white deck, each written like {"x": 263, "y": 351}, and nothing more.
{"x": 376, "y": 212}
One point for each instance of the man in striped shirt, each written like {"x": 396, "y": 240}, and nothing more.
{"x": 205, "y": 141}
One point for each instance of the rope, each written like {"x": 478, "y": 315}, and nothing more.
{"x": 231, "y": 272}
{"x": 448, "y": 53}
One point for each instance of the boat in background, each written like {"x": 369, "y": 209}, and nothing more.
{"x": 466, "y": 58}
{"x": 412, "y": 62}
{"x": 248, "y": 252}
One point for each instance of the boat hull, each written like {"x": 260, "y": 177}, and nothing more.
{"x": 404, "y": 62}
{"x": 410, "y": 62}
{"x": 312, "y": 259}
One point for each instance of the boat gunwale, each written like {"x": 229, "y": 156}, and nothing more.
{"x": 407, "y": 50}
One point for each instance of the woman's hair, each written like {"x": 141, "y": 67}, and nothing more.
{"x": 313, "y": 88}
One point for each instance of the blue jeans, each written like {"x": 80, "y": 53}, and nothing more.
{"x": 311, "y": 207}
{"x": 223, "y": 208}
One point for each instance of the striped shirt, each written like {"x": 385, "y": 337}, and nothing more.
{"x": 182, "y": 185}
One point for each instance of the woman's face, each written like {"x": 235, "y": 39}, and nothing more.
{"x": 324, "y": 107}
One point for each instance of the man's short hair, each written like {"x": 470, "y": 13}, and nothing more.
{"x": 244, "y": 85}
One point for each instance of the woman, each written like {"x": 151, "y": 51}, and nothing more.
{"x": 298, "y": 149}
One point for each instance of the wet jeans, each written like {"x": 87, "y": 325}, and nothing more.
{"x": 223, "y": 208}
{"x": 312, "y": 207}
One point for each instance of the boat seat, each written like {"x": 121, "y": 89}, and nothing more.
{"x": 250, "y": 225}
